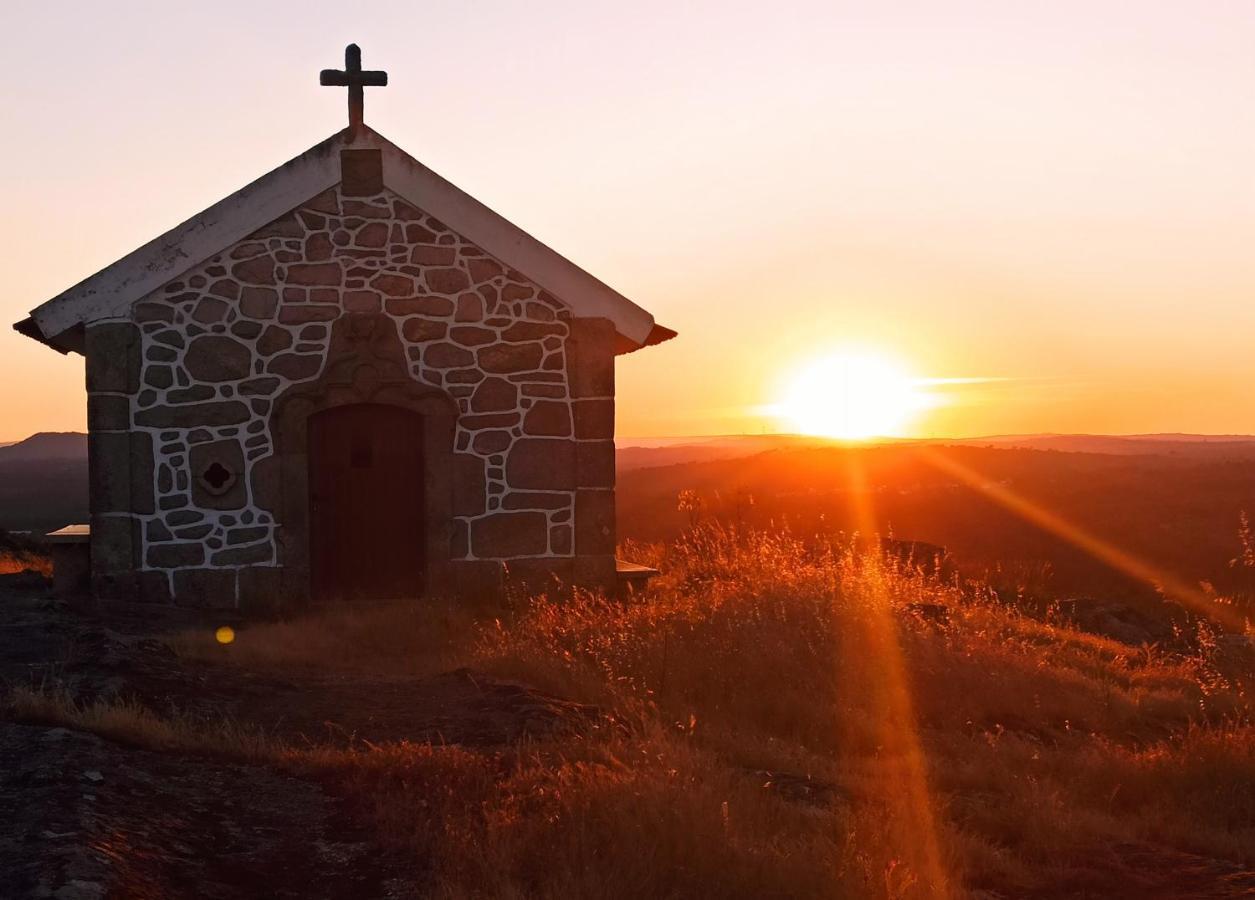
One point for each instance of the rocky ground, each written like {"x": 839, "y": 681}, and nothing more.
{"x": 82, "y": 817}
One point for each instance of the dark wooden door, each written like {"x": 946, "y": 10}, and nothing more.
{"x": 366, "y": 518}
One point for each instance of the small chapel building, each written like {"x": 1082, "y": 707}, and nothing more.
{"x": 349, "y": 379}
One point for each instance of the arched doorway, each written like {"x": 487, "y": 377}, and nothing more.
{"x": 367, "y": 513}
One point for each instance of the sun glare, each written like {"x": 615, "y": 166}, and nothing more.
{"x": 852, "y": 395}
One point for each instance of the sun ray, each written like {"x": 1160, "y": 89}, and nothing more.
{"x": 903, "y": 768}
{"x": 1102, "y": 550}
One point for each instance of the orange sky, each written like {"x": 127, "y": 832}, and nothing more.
{"x": 1061, "y": 198}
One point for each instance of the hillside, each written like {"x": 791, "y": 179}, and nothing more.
{"x": 778, "y": 718}
{"x": 1181, "y": 511}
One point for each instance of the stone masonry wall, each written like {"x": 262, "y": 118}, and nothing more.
{"x": 185, "y": 390}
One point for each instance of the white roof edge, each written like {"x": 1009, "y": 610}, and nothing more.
{"x": 111, "y": 291}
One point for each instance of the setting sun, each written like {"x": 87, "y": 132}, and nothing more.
{"x": 852, "y": 395}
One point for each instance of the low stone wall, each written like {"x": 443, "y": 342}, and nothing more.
{"x": 183, "y": 401}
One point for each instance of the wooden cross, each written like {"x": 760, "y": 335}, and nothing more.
{"x": 352, "y": 77}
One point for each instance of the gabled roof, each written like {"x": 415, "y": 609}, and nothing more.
{"x": 111, "y": 291}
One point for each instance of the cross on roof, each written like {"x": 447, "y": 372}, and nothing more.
{"x": 352, "y": 77}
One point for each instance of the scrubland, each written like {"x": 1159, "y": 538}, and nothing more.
{"x": 779, "y": 717}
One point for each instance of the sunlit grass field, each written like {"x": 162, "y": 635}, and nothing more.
{"x": 782, "y": 718}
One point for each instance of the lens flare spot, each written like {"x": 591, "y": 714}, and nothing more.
{"x": 225, "y": 634}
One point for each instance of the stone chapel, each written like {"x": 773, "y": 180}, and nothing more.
{"x": 349, "y": 379}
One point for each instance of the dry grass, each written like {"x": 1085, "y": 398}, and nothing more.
{"x": 14, "y": 562}
{"x": 795, "y": 720}
{"x": 129, "y": 722}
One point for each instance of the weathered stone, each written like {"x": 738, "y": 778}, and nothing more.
{"x": 174, "y": 556}
{"x": 114, "y": 540}
{"x": 393, "y": 285}
{"x": 258, "y": 386}
{"x": 261, "y": 589}
{"x": 160, "y": 377}
{"x": 590, "y": 358}
{"x": 363, "y": 301}
{"x": 506, "y": 535}
{"x": 560, "y": 539}
{"x": 536, "y": 500}
{"x": 543, "y": 390}
{"x": 469, "y": 336}
{"x": 531, "y": 331}
{"x": 247, "y": 535}
{"x": 594, "y": 464}
{"x": 446, "y": 281}
{"x": 299, "y": 315}
{"x": 107, "y": 412}
{"x": 246, "y": 330}
{"x": 483, "y": 269}
{"x": 418, "y": 234}
{"x": 318, "y": 247}
{"x": 170, "y": 338}
{"x": 594, "y": 522}
{"x": 512, "y": 292}
{"x": 109, "y": 471}
{"x": 541, "y": 464}
{"x": 259, "y": 303}
{"x": 594, "y": 418}
{"x": 446, "y": 356}
{"x": 470, "y": 308}
{"x": 494, "y": 395}
{"x": 491, "y": 441}
{"x": 225, "y": 288}
{"x": 230, "y": 412}
{"x": 218, "y": 358}
{"x": 113, "y": 357}
{"x": 548, "y": 417}
{"x": 373, "y": 235}
{"x": 510, "y": 357}
{"x": 419, "y": 306}
{"x": 432, "y": 255}
{"x": 152, "y": 312}
{"x": 326, "y": 274}
{"x": 491, "y": 420}
{"x": 273, "y": 340}
{"x": 258, "y": 270}
{"x": 205, "y": 588}
{"x": 468, "y": 485}
{"x": 295, "y": 366}
{"x": 194, "y": 394}
{"x": 418, "y": 329}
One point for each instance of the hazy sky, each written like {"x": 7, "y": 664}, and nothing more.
{"x": 1058, "y": 195}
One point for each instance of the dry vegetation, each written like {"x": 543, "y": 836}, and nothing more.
{"x": 21, "y": 555}
{"x": 781, "y": 719}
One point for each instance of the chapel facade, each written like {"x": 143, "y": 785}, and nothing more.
{"x": 347, "y": 380}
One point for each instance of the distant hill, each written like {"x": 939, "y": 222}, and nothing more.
{"x": 46, "y": 445}
{"x": 638, "y": 453}
{"x": 43, "y": 482}
{"x": 1178, "y": 507}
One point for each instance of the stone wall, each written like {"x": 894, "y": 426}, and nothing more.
{"x": 183, "y": 399}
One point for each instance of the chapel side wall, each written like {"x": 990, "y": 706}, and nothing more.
{"x": 590, "y": 361}
{"x": 120, "y": 466}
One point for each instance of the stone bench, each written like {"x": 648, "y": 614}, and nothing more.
{"x": 633, "y": 578}
{"x": 71, "y": 559}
